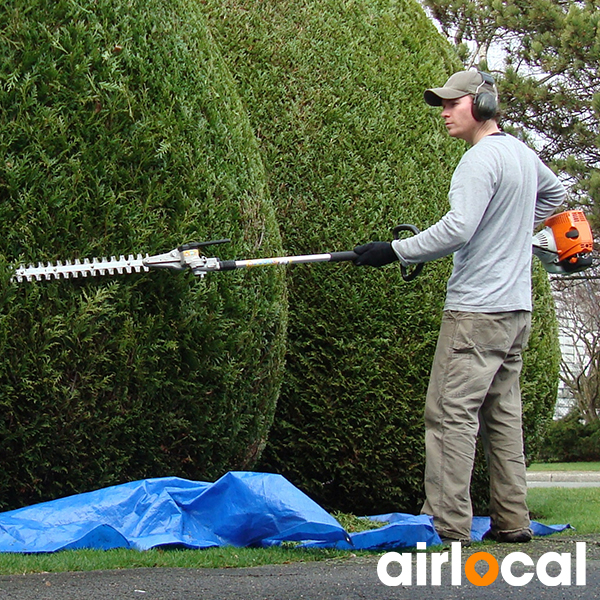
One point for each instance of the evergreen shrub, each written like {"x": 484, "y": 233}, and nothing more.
{"x": 571, "y": 440}
{"x": 335, "y": 95}
{"x": 121, "y": 132}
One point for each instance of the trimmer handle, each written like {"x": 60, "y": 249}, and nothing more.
{"x": 416, "y": 271}
{"x": 342, "y": 256}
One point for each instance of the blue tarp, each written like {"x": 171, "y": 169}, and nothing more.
{"x": 240, "y": 509}
{"x": 398, "y": 530}
{"x": 404, "y": 531}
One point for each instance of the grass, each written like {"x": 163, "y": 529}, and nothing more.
{"x": 579, "y": 507}
{"x": 223, "y": 558}
{"x": 580, "y": 466}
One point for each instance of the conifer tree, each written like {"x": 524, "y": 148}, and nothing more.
{"x": 546, "y": 58}
{"x": 335, "y": 94}
{"x": 121, "y": 132}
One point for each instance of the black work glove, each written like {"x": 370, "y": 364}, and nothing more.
{"x": 375, "y": 254}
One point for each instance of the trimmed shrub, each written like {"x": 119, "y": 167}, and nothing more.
{"x": 571, "y": 440}
{"x": 335, "y": 94}
{"x": 541, "y": 365}
{"x": 121, "y": 132}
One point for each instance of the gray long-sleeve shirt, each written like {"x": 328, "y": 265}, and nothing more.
{"x": 499, "y": 191}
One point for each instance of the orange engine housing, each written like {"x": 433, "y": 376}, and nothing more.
{"x": 572, "y": 234}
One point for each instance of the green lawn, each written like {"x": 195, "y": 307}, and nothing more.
{"x": 92, "y": 560}
{"x": 581, "y": 466}
{"x": 579, "y": 507}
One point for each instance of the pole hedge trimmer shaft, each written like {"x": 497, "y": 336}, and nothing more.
{"x": 184, "y": 257}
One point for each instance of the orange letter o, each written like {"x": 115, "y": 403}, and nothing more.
{"x": 473, "y": 576}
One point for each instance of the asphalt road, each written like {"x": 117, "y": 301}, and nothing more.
{"x": 353, "y": 578}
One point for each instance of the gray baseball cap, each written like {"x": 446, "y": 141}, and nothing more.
{"x": 459, "y": 85}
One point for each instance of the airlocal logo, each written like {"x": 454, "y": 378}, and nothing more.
{"x": 505, "y": 567}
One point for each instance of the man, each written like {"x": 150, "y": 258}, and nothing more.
{"x": 499, "y": 192}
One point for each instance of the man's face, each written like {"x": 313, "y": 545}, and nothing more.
{"x": 459, "y": 118}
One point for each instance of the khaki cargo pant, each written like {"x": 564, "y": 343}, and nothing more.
{"x": 474, "y": 387}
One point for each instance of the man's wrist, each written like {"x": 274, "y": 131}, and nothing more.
{"x": 396, "y": 247}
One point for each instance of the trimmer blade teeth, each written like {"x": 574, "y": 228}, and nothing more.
{"x": 81, "y": 268}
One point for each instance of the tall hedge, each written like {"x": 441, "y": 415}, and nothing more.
{"x": 334, "y": 90}
{"x": 121, "y": 131}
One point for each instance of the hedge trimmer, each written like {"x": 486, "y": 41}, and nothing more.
{"x": 564, "y": 246}
{"x": 184, "y": 257}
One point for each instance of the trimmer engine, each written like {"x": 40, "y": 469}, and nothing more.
{"x": 565, "y": 244}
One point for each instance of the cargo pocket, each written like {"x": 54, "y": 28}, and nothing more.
{"x": 461, "y": 359}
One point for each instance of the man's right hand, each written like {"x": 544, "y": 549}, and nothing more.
{"x": 375, "y": 254}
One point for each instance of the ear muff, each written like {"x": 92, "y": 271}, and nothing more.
{"x": 485, "y": 103}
